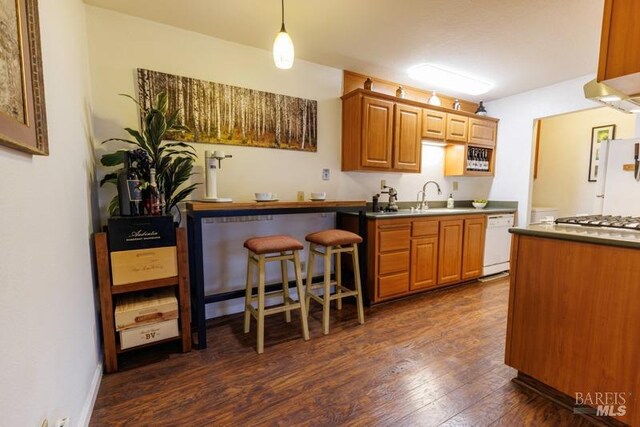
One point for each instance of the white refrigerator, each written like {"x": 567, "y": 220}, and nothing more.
{"x": 618, "y": 178}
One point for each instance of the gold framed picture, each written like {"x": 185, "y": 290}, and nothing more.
{"x": 23, "y": 120}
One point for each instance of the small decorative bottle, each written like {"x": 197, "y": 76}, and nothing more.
{"x": 481, "y": 111}
{"x": 400, "y": 93}
{"x": 368, "y": 84}
{"x": 456, "y": 105}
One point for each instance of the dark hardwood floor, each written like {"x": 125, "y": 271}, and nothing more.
{"x": 427, "y": 360}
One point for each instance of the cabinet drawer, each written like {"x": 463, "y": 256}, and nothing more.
{"x": 393, "y": 285}
{"x": 395, "y": 262}
{"x": 394, "y": 240}
{"x": 424, "y": 228}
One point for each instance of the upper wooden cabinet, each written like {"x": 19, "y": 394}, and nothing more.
{"x": 482, "y": 132}
{"x": 407, "y": 147}
{"x": 379, "y": 134}
{"x": 457, "y": 128}
{"x": 434, "y": 124}
{"x": 619, "y": 65}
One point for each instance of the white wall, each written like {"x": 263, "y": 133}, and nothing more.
{"x": 514, "y": 171}
{"x": 563, "y": 158}
{"x": 49, "y": 353}
{"x": 120, "y": 43}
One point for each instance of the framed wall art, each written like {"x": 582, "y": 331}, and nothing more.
{"x": 218, "y": 113}
{"x": 23, "y": 122}
{"x": 598, "y": 134}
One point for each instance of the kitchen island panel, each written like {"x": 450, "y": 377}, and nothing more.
{"x": 574, "y": 314}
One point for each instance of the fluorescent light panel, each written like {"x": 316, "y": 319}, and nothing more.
{"x": 448, "y": 79}
{"x": 610, "y": 98}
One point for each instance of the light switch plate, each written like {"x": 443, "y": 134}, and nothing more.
{"x": 455, "y": 185}
{"x": 326, "y": 174}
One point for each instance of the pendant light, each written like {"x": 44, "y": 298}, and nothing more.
{"x": 283, "y": 51}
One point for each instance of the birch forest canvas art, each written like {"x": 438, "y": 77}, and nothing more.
{"x": 222, "y": 114}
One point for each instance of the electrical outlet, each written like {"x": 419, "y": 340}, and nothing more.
{"x": 326, "y": 174}
{"x": 383, "y": 183}
{"x": 455, "y": 185}
{"x": 63, "y": 422}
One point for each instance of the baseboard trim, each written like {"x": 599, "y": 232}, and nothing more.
{"x": 87, "y": 408}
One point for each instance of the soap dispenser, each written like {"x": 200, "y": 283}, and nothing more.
{"x": 450, "y": 201}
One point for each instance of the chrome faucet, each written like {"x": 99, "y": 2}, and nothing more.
{"x": 423, "y": 205}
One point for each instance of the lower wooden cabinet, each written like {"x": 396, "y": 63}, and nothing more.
{"x": 410, "y": 255}
{"x": 424, "y": 263}
{"x": 450, "y": 256}
{"x": 473, "y": 248}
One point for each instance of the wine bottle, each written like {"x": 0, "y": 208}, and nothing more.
{"x": 153, "y": 196}
{"x": 129, "y": 192}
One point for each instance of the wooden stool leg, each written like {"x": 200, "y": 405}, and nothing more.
{"x": 326, "y": 298}
{"x": 301, "y": 295}
{"x": 339, "y": 280}
{"x": 247, "y": 296}
{"x": 307, "y": 294}
{"x": 285, "y": 287}
{"x": 261, "y": 280}
{"x": 356, "y": 278}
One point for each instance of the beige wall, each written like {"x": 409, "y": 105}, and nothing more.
{"x": 563, "y": 164}
{"x": 49, "y": 354}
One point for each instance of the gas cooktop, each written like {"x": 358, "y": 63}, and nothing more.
{"x": 610, "y": 221}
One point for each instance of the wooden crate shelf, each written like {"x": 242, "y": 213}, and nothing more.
{"x": 108, "y": 291}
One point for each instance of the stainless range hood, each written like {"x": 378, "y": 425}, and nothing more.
{"x": 610, "y": 97}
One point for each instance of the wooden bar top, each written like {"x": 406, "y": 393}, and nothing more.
{"x": 203, "y": 205}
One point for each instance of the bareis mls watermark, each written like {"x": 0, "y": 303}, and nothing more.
{"x": 602, "y": 404}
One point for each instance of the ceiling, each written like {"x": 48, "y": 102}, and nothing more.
{"x": 517, "y": 45}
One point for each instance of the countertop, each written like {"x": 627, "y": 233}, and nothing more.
{"x": 578, "y": 233}
{"x": 203, "y": 205}
{"x": 402, "y": 213}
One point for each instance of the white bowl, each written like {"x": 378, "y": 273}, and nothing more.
{"x": 263, "y": 196}
{"x": 479, "y": 205}
{"x": 319, "y": 195}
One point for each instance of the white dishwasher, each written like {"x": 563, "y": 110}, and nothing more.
{"x": 497, "y": 244}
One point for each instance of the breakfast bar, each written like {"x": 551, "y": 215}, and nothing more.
{"x": 199, "y": 210}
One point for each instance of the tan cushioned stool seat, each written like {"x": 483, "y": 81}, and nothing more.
{"x": 270, "y": 244}
{"x": 333, "y": 238}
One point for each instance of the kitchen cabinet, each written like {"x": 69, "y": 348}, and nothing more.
{"x": 434, "y": 124}
{"x": 377, "y": 133}
{"x": 482, "y": 132}
{"x": 407, "y": 147}
{"x": 450, "y": 255}
{"x": 457, "y": 128}
{"x": 619, "y": 64}
{"x": 416, "y": 254}
{"x": 380, "y": 134}
{"x": 473, "y": 247}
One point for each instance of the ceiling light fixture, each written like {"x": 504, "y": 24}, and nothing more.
{"x": 448, "y": 79}
{"x": 283, "y": 52}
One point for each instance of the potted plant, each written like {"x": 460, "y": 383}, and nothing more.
{"x": 173, "y": 161}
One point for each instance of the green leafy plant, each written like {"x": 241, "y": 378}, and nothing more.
{"x": 172, "y": 160}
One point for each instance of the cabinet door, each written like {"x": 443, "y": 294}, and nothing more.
{"x": 434, "y": 124}
{"x": 407, "y": 138}
{"x": 473, "y": 248}
{"x": 377, "y": 133}
{"x": 482, "y": 132}
{"x": 424, "y": 263}
{"x": 457, "y": 128}
{"x": 450, "y": 251}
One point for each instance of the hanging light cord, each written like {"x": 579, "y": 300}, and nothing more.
{"x": 282, "y": 28}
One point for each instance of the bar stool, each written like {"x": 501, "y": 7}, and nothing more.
{"x": 267, "y": 249}
{"x": 334, "y": 242}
